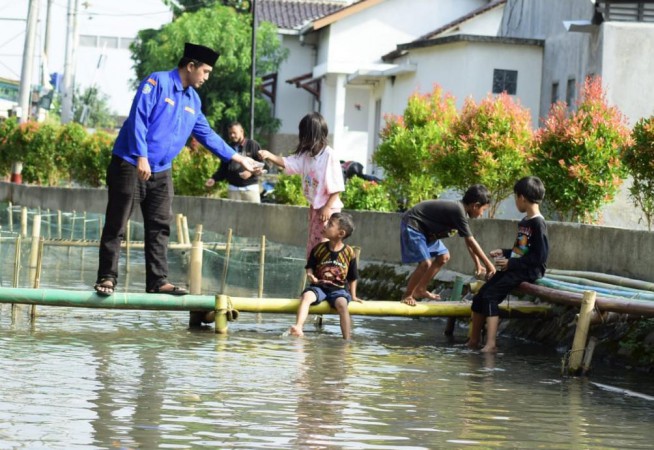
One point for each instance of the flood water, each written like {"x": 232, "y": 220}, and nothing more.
{"x": 100, "y": 379}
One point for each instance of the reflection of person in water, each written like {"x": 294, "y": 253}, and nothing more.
{"x": 321, "y": 384}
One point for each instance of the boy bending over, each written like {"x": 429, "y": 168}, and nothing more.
{"x": 422, "y": 229}
{"x": 524, "y": 262}
{"x": 332, "y": 264}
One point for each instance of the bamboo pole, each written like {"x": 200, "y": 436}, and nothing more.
{"x": 581, "y": 333}
{"x": 84, "y": 226}
{"x": 180, "y": 235}
{"x": 37, "y": 278}
{"x": 72, "y": 225}
{"x": 187, "y": 239}
{"x": 195, "y": 267}
{"x": 262, "y": 265}
{"x": 10, "y": 210}
{"x": 221, "y": 302}
{"x": 588, "y": 355}
{"x": 23, "y": 221}
{"x": 34, "y": 248}
{"x": 58, "y": 224}
{"x": 228, "y": 246}
{"x": 17, "y": 262}
{"x": 166, "y": 302}
{"x": 128, "y": 244}
{"x": 48, "y": 222}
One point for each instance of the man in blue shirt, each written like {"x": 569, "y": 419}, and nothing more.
{"x": 165, "y": 112}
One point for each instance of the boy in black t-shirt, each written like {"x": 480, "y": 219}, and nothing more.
{"x": 422, "y": 229}
{"x": 332, "y": 264}
{"x": 524, "y": 262}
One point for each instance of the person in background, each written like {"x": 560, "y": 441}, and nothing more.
{"x": 422, "y": 229}
{"x": 243, "y": 184}
{"x": 165, "y": 112}
{"x": 526, "y": 261}
{"x": 322, "y": 177}
{"x": 331, "y": 265}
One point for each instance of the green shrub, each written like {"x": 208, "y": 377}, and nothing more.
{"x": 288, "y": 190}
{"x": 367, "y": 195}
{"x": 490, "y": 143}
{"x": 90, "y": 164}
{"x": 578, "y": 155}
{"x": 192, "y": 168}
{"x": 638, "y": 158}
{"x": 7, "y": 154}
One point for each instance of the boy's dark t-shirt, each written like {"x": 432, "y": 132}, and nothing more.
{"x": 531, "y": 247}
{"x": 333, "y": 269}
{"x": 438, "y": 219}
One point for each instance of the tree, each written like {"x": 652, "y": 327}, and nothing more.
{"x": 404, "y": 152}
{"x": 578, "y": 155}
{"x": 639, "y": 158}
{"x": 180, "y": 6}
{"x": 490, "y": 143}
{"x": 226, "y": 95}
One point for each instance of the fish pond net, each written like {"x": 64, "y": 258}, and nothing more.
{"x": 67, "y": 255}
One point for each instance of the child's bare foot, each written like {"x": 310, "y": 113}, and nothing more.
{"x": 409, "y": 301}
{"x": 473, "y": 345}
{"x": 296, "y": 331}
{"x": 488, "y": 349}
{"x": 428, "y": 295}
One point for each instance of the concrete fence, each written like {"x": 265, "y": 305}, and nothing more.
{"x": 573, "y": 246}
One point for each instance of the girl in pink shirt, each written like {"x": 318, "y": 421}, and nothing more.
{"x": 322, "y": 177}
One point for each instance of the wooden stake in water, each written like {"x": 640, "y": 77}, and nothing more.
{"x": 581, "y": 333}
{"x": 48, "y": 221}
{"x": 34, "y": 249}
{"x": 23, "y": 222}
{"x": 10, "y": 210}
{"x": 228, "y": 247}
{"x": 195, "y": 267}
{"x": 128, "y": 235}
{"x": 187, "y": 238}
{"x": 37, "y": 278}
{"x": 262, "y": 265}
{"x": 58, "y": 224}
{"x": 180, "y": 234}
{"x": 221, "y": 314}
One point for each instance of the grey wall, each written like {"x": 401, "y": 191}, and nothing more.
{"x": 572, "y": 246}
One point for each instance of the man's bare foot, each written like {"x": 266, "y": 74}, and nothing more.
{"x": 488, "y": 349}
{"x": 409, "y": 301}
{"x": 428, "y": 295}
{"x": 296, "y": 331}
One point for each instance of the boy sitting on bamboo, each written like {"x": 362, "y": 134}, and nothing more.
{"x": 524, "y": 262}
{"x": 331, "y": 265}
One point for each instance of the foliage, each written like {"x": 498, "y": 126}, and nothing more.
{"x": 34, "y": 145}
{"x": 490, "y": 143}
{"x": 367, "y": 195}
{"x": 404, "y": 152}
{"x": 191, "y": 168}
{"x": 578, "y": 155}
{"x": 7, "y": 128}
{"x": 288, "y": 190}
{"x": 91, "y": 162}
{"x": 637, "y": 342}
{"x": 226, "y": 94}
{"x": 98, "y": 113}
{"x": 180, "y": 6}
{"x": 639, "y": 158}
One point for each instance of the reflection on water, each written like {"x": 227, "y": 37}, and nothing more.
{"x": 124, "y": 379}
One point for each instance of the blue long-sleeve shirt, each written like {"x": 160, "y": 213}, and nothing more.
{"x": 162, "y": 117}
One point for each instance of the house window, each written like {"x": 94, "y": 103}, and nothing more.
{"x": 88, "y": 41}
{"x": 505, "y": 81}
{"x": 555, "y": 93}
{"x": 571, "y": 93}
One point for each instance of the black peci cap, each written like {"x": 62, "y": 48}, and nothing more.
{"x": 200, "y": 53}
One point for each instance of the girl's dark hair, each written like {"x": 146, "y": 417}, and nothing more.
{"x": 313, "y": 134}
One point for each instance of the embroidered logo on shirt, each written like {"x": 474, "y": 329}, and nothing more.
{"x": 170, "y": 101}
{"x": 147, "y": 89}
{"x": 189, "y": 109}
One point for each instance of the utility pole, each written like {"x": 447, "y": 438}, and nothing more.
{"x": 25, "y": 97}
{"x": 253, "y": 66}
{"x": 46, "y": 44}
{"x": 70, "y": 62}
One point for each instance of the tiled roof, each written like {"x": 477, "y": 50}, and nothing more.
{"x": 293, "y": 14}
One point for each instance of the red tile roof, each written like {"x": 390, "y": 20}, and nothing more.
{"x": 293, "y": 14}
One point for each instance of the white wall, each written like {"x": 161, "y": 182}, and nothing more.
{"x": 293, "y": 102}
{"x": 628, "y": 68}
{"x": 465, "y": 69}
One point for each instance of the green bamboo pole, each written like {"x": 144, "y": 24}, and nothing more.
{"x": 164, "y": 302}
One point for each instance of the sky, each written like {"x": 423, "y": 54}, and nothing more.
{"x": 103, "y": 18}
